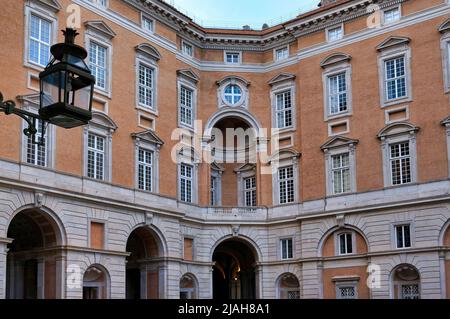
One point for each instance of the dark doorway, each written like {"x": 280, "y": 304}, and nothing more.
{"x": 234, "y": 271}
{"x": 133, "y": 283}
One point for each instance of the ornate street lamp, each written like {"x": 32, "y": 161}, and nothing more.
{"x": 66, "y": 90}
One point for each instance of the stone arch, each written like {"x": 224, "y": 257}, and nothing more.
{"x": 288, "y": 286}
{"x": 330, "y": 232}
{"x": 444, "y": 235}
{"x": 96, "y": 282}
{"x": 161, "y": 240}
{"x": 410, "y": 282}
{"x": 189, "y": 286}
{"x": 244, "y": 239}
{"x": 238, "y": 113}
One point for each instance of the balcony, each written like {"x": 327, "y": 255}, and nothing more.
{"x": 237, "y": 213}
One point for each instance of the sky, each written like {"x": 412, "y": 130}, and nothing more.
{"x": 237, "y": 13}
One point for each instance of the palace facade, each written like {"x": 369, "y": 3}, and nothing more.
{"x": 347, "y": 192}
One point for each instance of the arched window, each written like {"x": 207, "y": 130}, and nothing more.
{"x": 95, "y": 283}
{"x": 288, "y": 287}
{"x": 406, "y": 282}
{"x": 188, "y": 287}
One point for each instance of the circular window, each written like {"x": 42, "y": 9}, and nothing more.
{"x": 233, "y": 94}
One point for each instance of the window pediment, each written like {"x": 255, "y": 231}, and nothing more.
{"x": 189, "y": 75}
{"x": 282, "y": 77}
{"x": 393, "y": 41}
{"x": 444, "y": 27}
{"x": 398, "y": 129}
{"x": 100, "y": 27}
{"x": 335, "y": 58}
{"x": 338, "y": 141}
{"x": 285, "y": 154}
{"x": 149, "y": 51}
{"x": 29, "y": 100}
{"x": 103, "y": 121}
{"x": 233, "y": 80}
{"x": 446, "y": 122}
{"x": 245, "y": 168}
{"x": 217, "y": 167}
{"x": 149, "y": 137}
{"x": 54, "y": 5}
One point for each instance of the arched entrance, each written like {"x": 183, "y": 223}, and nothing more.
{"x": 405, "y": 282}
{"x": 234, "y": 271}
{"x": 188, "y": 287}
{"x": 288, "y": 287}
{"x": 143, "y": 266}
{"x": 95, "y": 283}
{"x": 33, "y": 269}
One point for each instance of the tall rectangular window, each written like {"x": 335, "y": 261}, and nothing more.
{"x": 286, "y": 185}
{"x": 335, "y": 34}
{"x": 214, "y": 189}
{"x": 400, "y": 158}
{"x": 284, "y": 110}
{"x": 186, "y": 177}
{"x": 345, "y": 244}
{"x": 40, "y": 33}
{"x": 403, "y": 236}
{"x": 281, "y": 54}
{"x": 37, "y": 154}
{"x": 250, "y": 191}
{"x": 338, "y": 94}
{"x": 96, "y": 157}
{"x": 287, "y": 248}
{"x": 145, "y": 170}
{"x": 186, "y": 106}
{"x": 341, "y": 173}
{"x": 145, "y": 86}
{"x": 395, "y": 78}
{"x": 97, "y": 64}
{"x": 391, "y": 15}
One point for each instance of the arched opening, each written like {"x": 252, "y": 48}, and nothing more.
{"x": 32, "y": 268}
{"x": 406, "y": 282}
{"x": 188, "y": 287}
{"x": 95, "y": 283}
{"x": 234, "y": 271}
{"x": 142, "y": 268}
{"x": 288, "y": 287}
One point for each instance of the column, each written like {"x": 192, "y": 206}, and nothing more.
{"x": 3, "y": 266}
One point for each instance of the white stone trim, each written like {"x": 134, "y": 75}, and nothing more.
{"x": 33, "y": 7}
{"x": 389, "y": 111}
{"x": 392, "y": 53}
{"x": 339, "y": 68}
{"x": 445, "y": 49}
{"x": 399, "y": 6}
{"x": 331, "y": 125}
{"x": 91, "y": 36}
{"x": 183, "y": 82}
{"x": 218, "y": 175}
{"x": 280, "y": 247}
{"x": 281, "y": 48}
{"x": 341, "y": 25}
{"x": 447, "y": 131}
{"x": 242, "y": 175}
{"x": 152, "y": 64}
{"x": 276, "y": 166}
{"x": 329, "y": 153}
{"x": 412, "y": 236}
{"x": 225, "y": 52}
{"x": 337, "y": 234}
{"x": 155, "y": 150}
{"x": 194, "y": 163}
{"x": 278, "y": 88}
{"x": 243, "y": 102}
{"x": 146, "y": 16}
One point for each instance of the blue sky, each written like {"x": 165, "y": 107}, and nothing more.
{"x": 236, "y": 13}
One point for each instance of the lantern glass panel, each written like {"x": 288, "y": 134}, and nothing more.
{"x": 52, "y": 88}
{"x": 79, "y": 92}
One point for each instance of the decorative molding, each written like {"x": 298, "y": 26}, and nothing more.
{"x": 100, "y": 27}
{"x": 236, "y": 229}
{"x": 338, "y": 141}
{"x": 282, "y": 77}
{"x": 149, "y": 218}
{"x": 232, "y": 79}
{"x": 54, "y": 5}
{"x": 445, "y": 26}
{"x": 217, "y": 167}
{"x": 149, "y": 137}
{"x": 245, "y": 168}
{"x": 104, "y": 121}
{"x": 334, "y": 59}
{"x": 397, "y": 129}
{"x": 393, "y": 41}
{"x": 446, "y": 122}
{"x": 149, "y": 51}
{"x": 38, "y": 200}
{"x": 288, "y": 153}
{"x": 189, "y": 75}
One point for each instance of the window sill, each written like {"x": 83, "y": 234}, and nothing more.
{"x": 338, "y": 116}
{"x": 147, "y": 110}
{"x": 102, "y": 92}
{"x": 396, "y": 102}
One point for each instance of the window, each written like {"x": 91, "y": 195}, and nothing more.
{"x": 250, "y": 191}
{"x": 346, "y": 292}
{"x": 395, "y": 78}
{"x": 410, "y": 292}
{"x": 102, "y": 3}
{"x": 147, "y": 24}
{"x": 96, "y": 157}
{"x": 37, "y": 154}
{"x": 281, "y": 54}
{"x": 341, "y": 173}
{"x": 214, "y": 197}
{"x": 335, "y": 34}
{"x": 287, "y": 248}
{"x": 232, "y": 57}
{"x": 97, "y": 235}
{"x": 233, "y": 94}
{"x": 97, "y": 64}
{"x": 186, "y": 177}
{"x": 403, "y": 236}
{"x": 40, "y": 34}
{"x": 337, "y": 94}
{"x": 286, "y": 185}
{"x": 188, "y": 249}
{"x": 145, "y": 170}
{"x": 145, "y": 86}
{"x": 284, "y": 110}
{"x": 186, "y": 106}
{"x": 391, "y": 15}
{"x": 345, "y": 244}
{"x": 400, "y": 158}
{"x": 187, "y": 49}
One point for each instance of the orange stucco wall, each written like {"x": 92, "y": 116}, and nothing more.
{"x": 329, "y": 286}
